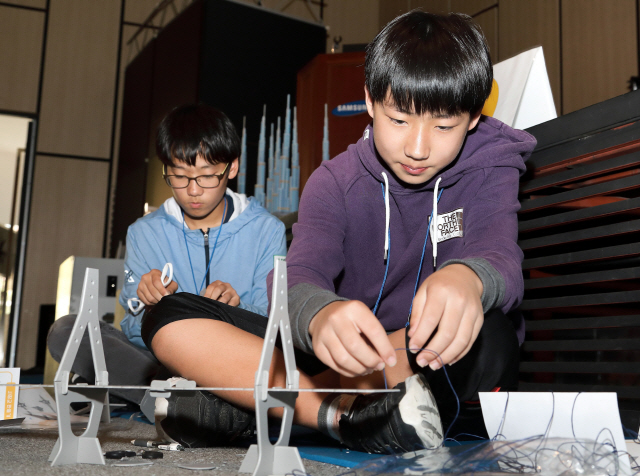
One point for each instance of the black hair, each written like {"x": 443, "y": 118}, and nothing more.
{"x": 430, "y": 63}
{"x": 197, "y": 129}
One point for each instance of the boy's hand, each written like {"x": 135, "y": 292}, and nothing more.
{"x": 349, "y": 338}
{"x": 223, "y": 292}
{"x": 449, "y": 299}
{"x": 151, "y": 289}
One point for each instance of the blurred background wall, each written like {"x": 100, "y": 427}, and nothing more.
{"x": 63, "y": 63}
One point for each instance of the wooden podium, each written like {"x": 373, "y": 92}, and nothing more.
{"x": 337, "y": 80}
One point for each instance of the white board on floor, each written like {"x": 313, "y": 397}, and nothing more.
{"x": 581, "y": 416}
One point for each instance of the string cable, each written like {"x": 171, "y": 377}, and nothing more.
{"x": 540, "y": 454}
{"x": 184, "y": 234}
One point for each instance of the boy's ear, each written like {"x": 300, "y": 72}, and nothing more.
{"x": 367, "y": 98}
{"x": 233, "y": 168}
{"x": 474, "y": 120}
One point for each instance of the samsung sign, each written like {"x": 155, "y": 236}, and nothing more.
{"x": 350, "y": 108}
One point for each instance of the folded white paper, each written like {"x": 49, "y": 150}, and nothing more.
{"x": 525, "y": 98}
{"x": 581, "y": 416}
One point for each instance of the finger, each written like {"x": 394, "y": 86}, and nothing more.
{"x": 457, "y": 345}
{"x": 417, "y": 309}
{"x": 214, "y": 290}
{"x": 157, "y": 287}
{"x": 332, "y": 353}
{"x": 379, "y": 342}
{"x": 154, "y": 292}
{"x": 345, "y": 359}
{"x": 232, "y": 298}
{"x": 359, "y": 350}
{"x": 429, "y": 318}
{"x": 476, "y": 331}
{"x": 206, "y": 292}
{"x": 347, "y": 333}
{"x": 225, "y": 297}
{"x": 145, "y": 296}
{"x": 325, "y": 357}
{"x": 145, "y": 287}
{"x": 172, "y": 287}
{"x": 452, "y": 336}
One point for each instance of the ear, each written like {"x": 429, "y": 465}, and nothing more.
{"x": 233, "y": 168}
{"x": 369, "y": 101}
{"x": 474, "y": 120}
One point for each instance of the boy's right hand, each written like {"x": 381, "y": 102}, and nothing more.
{"x": 151, "y": 289}
{"x": 348, "y": 338}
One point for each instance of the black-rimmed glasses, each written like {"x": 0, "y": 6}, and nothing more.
{"x": 204, "y": 181}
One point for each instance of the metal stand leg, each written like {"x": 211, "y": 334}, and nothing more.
{"x": 84, "y": 448}
{"x": 264, "y": 458}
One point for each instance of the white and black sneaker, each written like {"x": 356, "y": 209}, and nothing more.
{"x": 198, "y": 419}
{"x": 398, "y": 422}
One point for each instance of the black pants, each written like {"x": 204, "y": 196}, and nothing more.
{"x": 127, "y": 364}
{"x": 492, "y": 362}
{"x": 176, "y": 307}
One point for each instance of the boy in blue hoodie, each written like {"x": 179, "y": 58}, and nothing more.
{"x": 404, "y": 259}
{"x": 220, "y": 243}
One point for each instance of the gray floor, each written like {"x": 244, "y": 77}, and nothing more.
{"x": 25, "y": 452}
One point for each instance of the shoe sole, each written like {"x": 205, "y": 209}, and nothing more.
{"x": 419, "y": 409}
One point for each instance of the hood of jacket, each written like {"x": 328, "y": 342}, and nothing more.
{"x": 490, "y": 144}
{"x": 244, "y": 211}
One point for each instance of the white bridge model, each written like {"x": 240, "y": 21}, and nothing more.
{"x": 262, "y": 459}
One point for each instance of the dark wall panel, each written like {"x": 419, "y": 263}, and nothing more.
{"x": 229, "y": 55}
{"x": 176, "y": 64}
{"x": 134, "y": 146}
{"x": 251, "y": 56}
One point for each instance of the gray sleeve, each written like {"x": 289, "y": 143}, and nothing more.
{"x": 305, "y": 300}
{"x": 493, "y": 285}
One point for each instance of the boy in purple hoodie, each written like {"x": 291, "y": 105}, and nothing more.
{"x": 404, "y": 259}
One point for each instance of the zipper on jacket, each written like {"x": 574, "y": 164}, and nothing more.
{"x": 206, "y": 253}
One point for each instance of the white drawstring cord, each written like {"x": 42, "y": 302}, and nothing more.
{"x": 387, "y": 215}
{"x": 434, "y": 223}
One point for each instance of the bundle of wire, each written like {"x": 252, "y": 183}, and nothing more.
{"x": 539, "y": 455}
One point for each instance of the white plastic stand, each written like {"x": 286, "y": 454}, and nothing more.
{"x": 85, "y": 448}
{"x": 264, "y": 458}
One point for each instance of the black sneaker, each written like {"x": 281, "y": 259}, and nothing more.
{"x": 389, "y": 423}
{"x": 200, "y": 419}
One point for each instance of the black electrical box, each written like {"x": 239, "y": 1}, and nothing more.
{"x": 112, "y": 286}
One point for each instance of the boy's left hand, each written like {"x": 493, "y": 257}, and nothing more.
{"x": 449, "y": 300}
{"x": 222, "y": 292}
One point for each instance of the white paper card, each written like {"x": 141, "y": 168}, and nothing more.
{"x": 536, "y": 104}
{"x": 8, "y": 394}
{"x": 36, "y": 405}
{"x": 38, "y": 409}
{"x": 583, "y": 416}
{"x": 525, "y": 97}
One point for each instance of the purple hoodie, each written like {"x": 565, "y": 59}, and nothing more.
{"x": 338, "y": 246}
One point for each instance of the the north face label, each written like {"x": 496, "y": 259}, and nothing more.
{"x": 449, "y": 225}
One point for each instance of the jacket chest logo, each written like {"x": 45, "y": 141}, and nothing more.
{"x": 448, "y": 225}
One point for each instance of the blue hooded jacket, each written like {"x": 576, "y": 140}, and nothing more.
{"x": 242, "y": 256}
